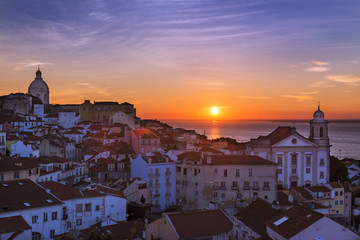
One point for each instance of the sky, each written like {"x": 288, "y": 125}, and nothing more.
{"x": 177, "y": 59}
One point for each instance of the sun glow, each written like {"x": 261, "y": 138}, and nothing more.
{"x": 214, "y": 110}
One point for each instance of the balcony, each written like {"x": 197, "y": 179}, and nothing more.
{"x": 255, "y": 188}
{"x": 154, "y": 175}
{"x": 222, "y": 188}
{"x": 266, "y": 188}
{"x": 215, "y": 187}
{"x": 234, "y": 188}
{"x": 246, "y": 187}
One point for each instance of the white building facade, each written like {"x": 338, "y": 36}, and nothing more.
{"x": 301, "y": 161}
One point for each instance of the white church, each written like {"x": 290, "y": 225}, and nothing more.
{"x": 301, "y": 161}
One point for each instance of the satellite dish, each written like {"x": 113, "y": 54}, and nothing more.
{"x": 290, "y": 198}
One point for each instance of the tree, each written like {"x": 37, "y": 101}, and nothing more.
{"x": 338, "y": 171}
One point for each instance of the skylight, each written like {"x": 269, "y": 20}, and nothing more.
{"x": 49, "y": 200}
{"x": 280, "y": 221}
{"x": 5, "y": 185}
{"x": 27, "y": 204}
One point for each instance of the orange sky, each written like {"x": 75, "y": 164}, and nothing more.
{"x": 253, "y": 60}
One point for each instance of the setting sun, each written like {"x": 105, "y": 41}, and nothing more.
{"x": 214, "y": 110}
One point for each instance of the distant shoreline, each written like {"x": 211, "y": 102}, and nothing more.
{"x": 264, "y": 120}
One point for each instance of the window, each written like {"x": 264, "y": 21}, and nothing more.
{"x": 341, "y": 193}
{"x": 16, "y": 175}
{"x": 336, "y": 202}
{"x": 34, "y": 219}
{"x": 266, "y": 185}
{"x": 78, "y": 222}
{"x": 87, "y": 209}
{"x": 255, "y": 195}
{"x": 222, "y": 184}
{"x": 280, "y": 160}
{"x": 279, "y": 171}
{"x": 54, "y": 216}
{"x": 45, "y": 217}
{"x": 293, "y": 170}
{"x": 36, "y": 236}
{"x": 234, "y": 184}
{"x": 215, "y": 170}
{"x": 294, "y": 160}
{"x": 308, "y": 160}
{"x": 143, "y": 142}
{"x": 185, "y": 171}
{"x": 225, "y": 172}
{"x": 307, "y": 170}
{"x": 322, "y": 162}
{"x": 52, "y": 233}
{"x": 223, "y": 195}
{"x": 195, "y": 171}
{"x": 336, "y": 193}
{"x": 321, "y": 175}
{"x": 79, "y": 209}
{"x": 341, "y": 202}
{"x": 237, "y": 174}
{"x": 250, "y": 172}
{"x": 178, "y": 169}
{"x": 215, "y": 194}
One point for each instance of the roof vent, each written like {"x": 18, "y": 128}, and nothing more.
{"x": 309, "y": 215}
{"x": 20, "y": 183}
{"x": 49, "y": 200}
{"x": 5, "y": 185}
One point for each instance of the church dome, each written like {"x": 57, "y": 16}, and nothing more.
{"x": 319, "y": 115}
{"x": 39, "y": 88}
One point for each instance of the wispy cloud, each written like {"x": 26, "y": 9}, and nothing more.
{"x": 346, "y": 79}
{"x": 320, "y": 66}
{"x": 317, "y": 69}
{"x": 31, "y": 63}
{"x": 254, "y": 97}
{"x": 320, "y": 63}
{"x": 298, "y": 97}
{"x": 321, "y": 84}
{"x": 309, "y": 93}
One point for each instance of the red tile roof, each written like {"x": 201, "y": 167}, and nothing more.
{"x": 317, "y": 189}
{"x": 237, "y": 160}
{"x": 65, "y": 192}
{"x": 200, "y": 224}
{"x": 145, "y": 134}
{"x": 15, "y": 194}
{"x": 122, "y": 230}
{"x": 304, "y": 193}
{"x": 255, "y": 215}
{"x": 13, "y": 224}
{"x": 297, "y": 219}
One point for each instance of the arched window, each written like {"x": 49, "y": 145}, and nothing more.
{"x": 294, "y": 159}
{"x": 321, "y": 132}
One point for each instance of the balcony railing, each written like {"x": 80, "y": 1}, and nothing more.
{"x": 255, "y": 188}
{"x": 234, "y": 188}
{"x": 246, "y": 187}
{"x": 266, "y": 188}
{"x": 222, "y": 188}
{"x": 153, "y": 175}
